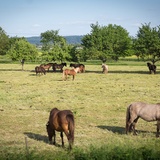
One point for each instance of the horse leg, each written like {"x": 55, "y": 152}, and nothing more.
{"x": 158, "y": 128}
{"x": 62, "y": 139}
{"x": 69, "y": 138}
{"x": 73, "y": 77}
{"x": 131, "y": 125}
{"x": 54, "y": 140}
{"x": 134, "y": 125}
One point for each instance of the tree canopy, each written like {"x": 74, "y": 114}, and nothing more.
{"x": 105, "y": 42}
{"x": 54, "y": 46}
{"x": 4, "y": 42}
{"x": 147, "y": 43}
{"x": 21, "y": 49}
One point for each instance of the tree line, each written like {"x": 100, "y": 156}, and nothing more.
{"x": 103, "y": 43}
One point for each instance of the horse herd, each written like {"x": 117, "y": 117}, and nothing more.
{"x": 63, "y": 120}
{"x": 75, "y": 69}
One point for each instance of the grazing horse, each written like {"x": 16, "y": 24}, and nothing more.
{"x": 72, "y": 72}
{"x": 105, "y": 68}
{"x": 40, "y": 70}
{"x": 61, "y": 121}
{"x": 148, "y": 112}
{"x": 47, "y": 66}
{"x": 58, "y": 66}
{"x": 81, "y": 66}
{"x": 152, "y": 68}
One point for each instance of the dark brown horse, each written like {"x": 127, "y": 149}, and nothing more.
{"x": 152, "y": 68}
{"x": 81, "y": 66}
{"x": 72, "y": 72}
{"x": 40, "y": 70}
{"x": 61, "y": 121}
{"x": 47, "y": 66}
{"x": 148, "y": 112}
{"x": 58, "y": 66}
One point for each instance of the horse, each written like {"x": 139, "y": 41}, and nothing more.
{"x": 58, "y": 66}
{"x": 152, "y": 68}
{"x": 105, "y": 68}
{"x": 72, "y": 72}
{"x": 40, "y": 70}
{"x": 148, "y": 112}
{"x": 81, "y": 66}
{"x": 61, "y": 121}
{"x": 47, "y": 66}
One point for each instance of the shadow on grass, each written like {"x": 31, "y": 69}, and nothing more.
{"x": 121, "y": 72}
{"x": 10, "y": 70}
{"x": 114, "y": 129}
{"x": 121, "y": 130}
{"x": 37, "y": 137}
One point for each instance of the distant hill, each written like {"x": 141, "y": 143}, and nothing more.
{"x": 70, "y": 39}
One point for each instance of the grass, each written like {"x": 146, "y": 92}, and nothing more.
{"x": 99, "y": 104}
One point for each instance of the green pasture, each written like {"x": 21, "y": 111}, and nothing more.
{"x": 98, "y": 102}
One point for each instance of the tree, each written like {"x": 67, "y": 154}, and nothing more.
{"x": 55, "y": 46}
{"x": 147, "y": 43}
{"x": 21, "y": 49}
{"x": 105, "y": 42}
{"x": 4, "y": 42}
{"x": 77, "y": 54}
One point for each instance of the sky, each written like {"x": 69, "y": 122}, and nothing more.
{"x": 27, "y": 18}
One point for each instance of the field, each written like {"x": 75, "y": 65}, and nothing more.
{"x": 98, "y": 102}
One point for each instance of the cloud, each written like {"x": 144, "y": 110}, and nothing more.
{"x": 136, "y": 24}
{"x": 36, "y": 25}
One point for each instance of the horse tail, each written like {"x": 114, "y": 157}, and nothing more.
{"x": 127, "y": 117}
{"x": 70, "y": 119}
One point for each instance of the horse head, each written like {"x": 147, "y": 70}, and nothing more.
{"x": 77, "y": 69}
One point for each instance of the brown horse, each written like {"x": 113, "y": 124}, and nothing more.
{"x": 72, "y": 72}
{"x": 58, "y": 66}
{"x": 81, "y": 66}
{"x": 61, "y": 121}
{"x": 148, "y": 112}
{"x": 47, "y": 66}
{"x": 40, "y": 70}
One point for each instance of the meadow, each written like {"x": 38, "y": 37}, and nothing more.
{"x": 98, "y": 101}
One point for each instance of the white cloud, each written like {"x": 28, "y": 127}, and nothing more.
{"x": 36, "y": 25}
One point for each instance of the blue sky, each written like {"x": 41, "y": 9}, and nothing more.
{"x": 73, "y": 17}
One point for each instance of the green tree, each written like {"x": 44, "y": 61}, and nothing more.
{"x": 77, "y": 54}
{"x": 105, "y": 42}
{"x": 55, "y": 45}
{"x": 21, "y": 49}
{"x": 147, "y": 43}
{"x": 4, "y": 42}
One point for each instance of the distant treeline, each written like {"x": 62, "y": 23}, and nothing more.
{"x": 70, "y": 39}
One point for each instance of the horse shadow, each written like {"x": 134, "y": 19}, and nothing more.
{"x": 114, "y": 129}
{"x": 37, "y": 137}
{"x": 121, "y": 130}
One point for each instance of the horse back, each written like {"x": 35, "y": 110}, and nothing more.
{"x": 148, "y": 112}
{"x": 59, "y": 119}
